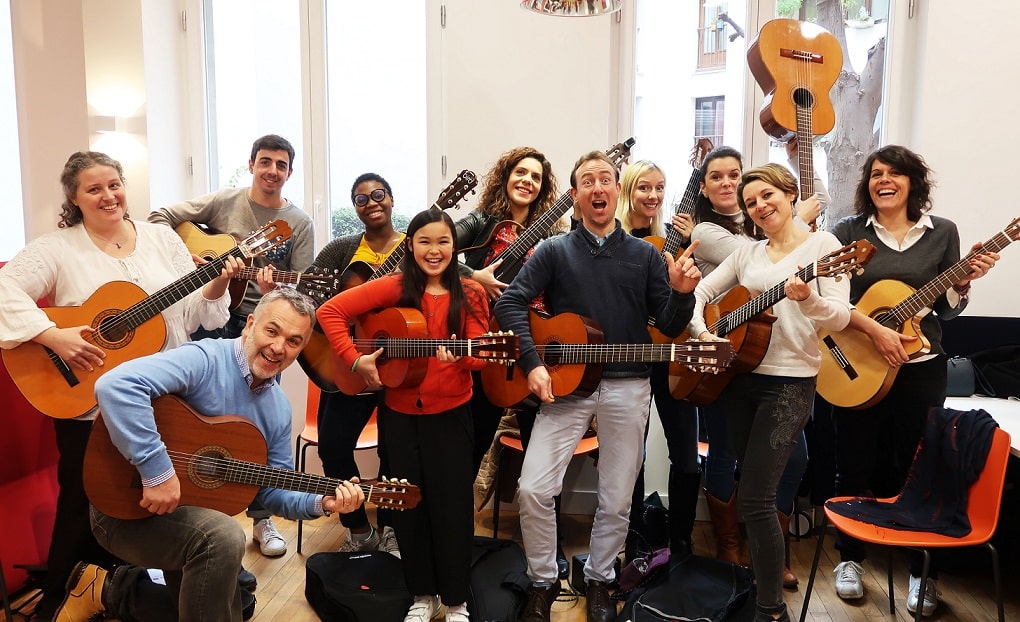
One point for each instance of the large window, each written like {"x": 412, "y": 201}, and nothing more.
{"x": 12, "y": 234}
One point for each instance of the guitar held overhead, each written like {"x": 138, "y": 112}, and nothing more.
{"x": 315, "y": 359}
{"x": 796, "y": 64}
{"x": 402, "y": 334}
{"x": 572, "y": 349}
{"x": 744, "y": 321}
{"x": 127, "y": 325}
{"x": 220, "y": 462}
{"x": 853, "y": 373}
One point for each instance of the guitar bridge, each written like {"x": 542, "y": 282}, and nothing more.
{"x": 841, "y": 360}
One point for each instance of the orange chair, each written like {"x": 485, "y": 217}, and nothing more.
{"x": 588, "y": 445}
{"x": 983, "y": 503}
{"x": 368, "y": 439}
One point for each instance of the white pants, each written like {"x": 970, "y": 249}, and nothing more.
{"x": 621, "y": 405}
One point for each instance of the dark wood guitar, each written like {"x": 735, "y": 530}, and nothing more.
{"x": 514, "y": 254}
{"x": 403, "y": 335}
{"x": 853, "y": 374}
{"x": 673, "y": 241}
{"x": 220, "y": 462}
{"x": 796, "y": 64}
{"x": 316, "y": 358}
{"x": 318, "y": 283}
{"x": 127, "y": 325}
{"x": 572, "y": 349}
{"x": 744, "y": 321}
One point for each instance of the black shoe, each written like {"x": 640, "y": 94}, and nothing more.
{"x": 246, "y": 579}
{"x": 562, "y": 564}
{"x": 541, "y": 595}
{"x": 601, "y": 608}
{"x": 247, "y": 605}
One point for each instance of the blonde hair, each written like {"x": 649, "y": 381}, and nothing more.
{"x": 775, "y": 175}
{"x": 625, "y": 207}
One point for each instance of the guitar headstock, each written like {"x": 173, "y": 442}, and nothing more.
{"x": 265, "y": 238}
{"x": 463, "y": 185}
{"x": 395, "y": 494}
{"x": 1013, "y": 230}
{"x": 319, "y": 284}
{"x": 850, "y": 258}
{"x": 701, "y": 148}
{"x": 705, "y": 356}
{"x": 620, "y": 152}
{"x": 500, "y": 347}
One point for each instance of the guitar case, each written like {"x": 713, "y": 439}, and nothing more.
{"x": 357, "y": 587}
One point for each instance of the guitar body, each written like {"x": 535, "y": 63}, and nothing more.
{"x": 853, "y": 374}
{"x": 796, "y": 64}
{"x": 114, "y": 486}
{"x": 316, "y": 359}
{"x": 355, "y": 274}
{"x": 655, "y": 240}
{"x": 208, "y": 246}
{"x": 395, "y": 323}
{"x": 68, "y": 394}
{"x": 507, "y": 387}
{"x": 750, "y": 341}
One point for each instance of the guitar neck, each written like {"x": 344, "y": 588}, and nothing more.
{"x": 684, "y": 206}
{"x": 390, "y": 264}
{"x": 925, "y": 296}
{"x": 278, "y": 276}
{"x": 693, "y": 353}
{"x": 805, "y": 152}
{"x": 530, "y": 236}
{"x": 409, "y": 348}
{"x": 756, "y": 305}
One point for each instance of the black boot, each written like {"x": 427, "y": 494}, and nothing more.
{"x": 540, "y": 599}
{"x": 684, "y": 489}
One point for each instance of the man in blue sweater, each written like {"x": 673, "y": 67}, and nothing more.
{"x": 600, "y": 272}
{"x": 198, "y": 549}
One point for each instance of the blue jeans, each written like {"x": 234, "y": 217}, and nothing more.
{"x": 199, "y": 550}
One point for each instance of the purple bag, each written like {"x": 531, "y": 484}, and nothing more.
{"x": 643, "y": 568}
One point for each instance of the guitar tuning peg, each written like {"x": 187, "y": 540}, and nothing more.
{"x": 384, "y": 479}
{"x": 404, "y": 482}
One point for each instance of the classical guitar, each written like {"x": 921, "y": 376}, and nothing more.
{"x": 515, "y": 252}
{"x": 318, "y": 283}
{"x": 221, "y": 464}
{"x": 402, "y": 334}
{"x": 796, "y": 64}
{"x": 572, "y": 349}
{"x": 744, "y": 322}
{"x": 127, "y": 325}
{"x": 673, "y": 241}
{"x": 853, "y": 374}
{"x": 315, "y": 358}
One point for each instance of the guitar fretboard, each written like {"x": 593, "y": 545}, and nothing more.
{"x": 707, "y": 353}
{"x": 407, "y": 348}
{"x": 278, "y": 276}
{"x": 756, "y": 305}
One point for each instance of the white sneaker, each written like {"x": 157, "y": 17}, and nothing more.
{"x": 931, "y": 596}
{"x": 458, "y": 613}
{"x": 388, "y": 542}
{"x": 270, "y": 541}
{"x": 350, "y": 545}
{"x": 423, "y": 609}
{"x": 848, "y": 580}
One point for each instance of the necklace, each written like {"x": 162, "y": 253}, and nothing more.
{"x": 107, "y": 240}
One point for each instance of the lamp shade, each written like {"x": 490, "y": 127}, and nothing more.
{"x": 572, "y": 8}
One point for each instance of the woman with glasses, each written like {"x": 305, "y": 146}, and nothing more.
{"x": 342, "y": 417}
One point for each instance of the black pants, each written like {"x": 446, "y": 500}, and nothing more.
{"x": 485, "y": 418}
{"x": 436, "y": 538}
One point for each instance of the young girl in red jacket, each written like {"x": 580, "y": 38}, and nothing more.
{"x": 427, "y": 428}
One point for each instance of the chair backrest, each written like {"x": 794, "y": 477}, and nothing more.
{"x": 985, "y": 496}
{"x": 311, "y": 432}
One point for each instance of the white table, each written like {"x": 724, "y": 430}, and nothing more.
{"x": 1006, "y": 413}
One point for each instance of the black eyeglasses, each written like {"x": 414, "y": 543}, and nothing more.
{"x": 377, "y": 195}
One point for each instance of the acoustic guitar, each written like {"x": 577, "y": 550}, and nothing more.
{"x": 744, "y": 322}
{"x": 127, "y": 325}
{"x": 316, "y": 358}
{"x": 673, "y": 241}
{"x": 514, "y": 253}
{"x": 796, "y": 64}
{"x": 220, "y": 462}
{"x": 402, "y": 333}
{"x": 320, "y": 284}
{"x": 853, "y": 374}
{"x": 573, "y": 350}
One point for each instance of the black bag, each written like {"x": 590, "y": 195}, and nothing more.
{"x": 997, "y": 371}
{"x": 357, "y": 587}
{"x": 499, "y": 581}
{"x": 649, "y": 529}
{"x": 696, "y": 588}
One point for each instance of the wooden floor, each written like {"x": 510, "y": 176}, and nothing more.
{"x": 281, "y": 580}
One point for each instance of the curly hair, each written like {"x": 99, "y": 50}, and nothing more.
{"x": 494, "y": 200}
{"x": 906, "y": 162}
{"x": 625, "y": 207}
{"x": 70, "y": 214}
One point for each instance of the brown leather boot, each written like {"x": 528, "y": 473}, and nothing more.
{"x": 600, "y": 607}
{"x": 541, "y": 595}
{"x": 726, "y": 527}
{"x": 84, "y": 598}
{"x": 789, "y": 579}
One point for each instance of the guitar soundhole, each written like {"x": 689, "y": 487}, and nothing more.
{"x": 550, "y": 353}
{"x": 208, "y": 466}
{"x": 111, "y": 334}
{"x": 803, "y": 98}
